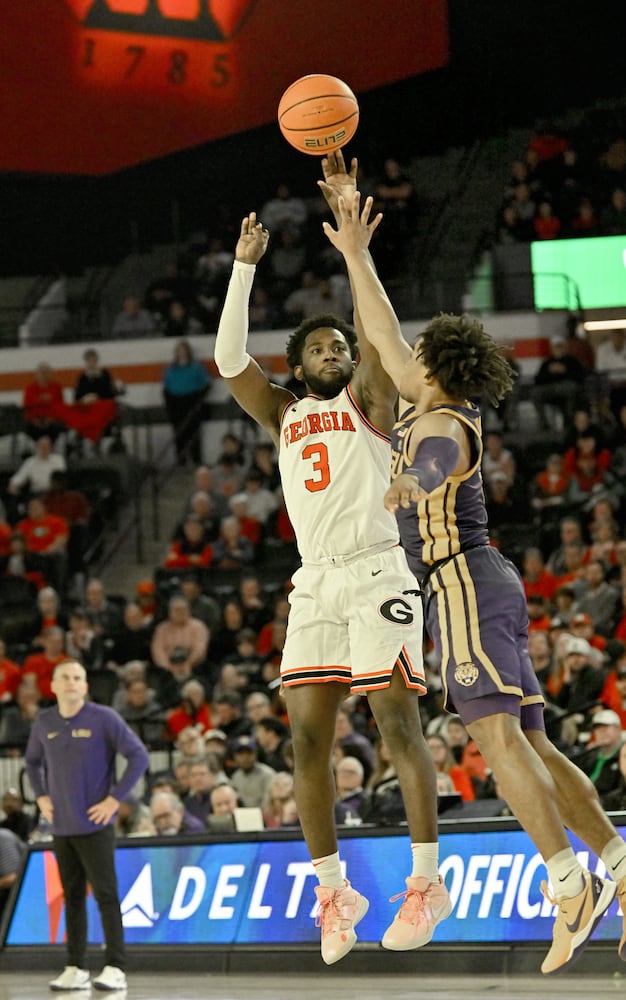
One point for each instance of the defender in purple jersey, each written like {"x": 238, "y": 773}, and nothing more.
{"x": 474, "y": 599}
{"x": 70, "y": 762}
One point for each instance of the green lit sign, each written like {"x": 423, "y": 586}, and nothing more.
{"x": 586, "y": 272}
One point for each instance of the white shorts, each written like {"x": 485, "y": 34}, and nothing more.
{"x": 354, "y": 623}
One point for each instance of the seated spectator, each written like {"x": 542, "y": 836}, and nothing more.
{"x": 546, "y": 223}
{"x": 444, "y": 763}
{"x": 558, "y": 385}
{"x": 265, "y": 639}
{"x": 550, "y": 489}
{"x": 147, "y": 600}
{"x": 185, "y": 385}
{"x": 203, "y": 775}
{"x": 95, "y": 407}
{"x": 224, "y": 801}
{"x": 613, "y": 215}
{"x": 598, "y": 598}
{"x": 538, "y": 617}
{"x": 193, "y": 710}
{"x": 211, "y": 274}
{"x": 201, "y": 605}
{"x": 352, "y": 800}
{"x": 17, "y": 718}
{"x": 249, "y": 527}
{"x": 587, "y": 465}
{"x": 189, "y": 747}
{"x": 41, "y": 400}
{"x": 601, "y": 761}
{"x": 611, "y": 364}
{"x": 513, "y": 228}
{"x": 394, "y": 196}
{"x": 263, "y": 313}
{"x": 581, "y": 677}
{"x": 82, "y": 643}
{"x": 232, "y": 550}
{"x": 180, "y": 642}
{"x": 216, "y": 743}
{"x": 179, "y": 322}
{"x": 175, "y": 284}
{"x": 204, "y": 482}
{"x": 613, "y": 694}
{"x": 19, "y": 563}
{"x": 34, "y": 474}
{"x": 143, "y": 713}
{"x": 223, "y": 641}
{"x": 570, "y": 531}
{"x": 620, "y": 628}
{"x": 227, "y": 476}
{"x": 16, "y": 819}
{"x": 11, "y": 856}
{"x": 203, "y": 507}
{"x": 584, "y": 627}
{"x": 497, "y": 458}
{"x": 615, "y": 800}
{"x": 540, "y": 656}
{"x": 131, "y": 639}
{"x": 133, "y": 818}
{"x": 284, "y": 211}
{"x": 347, "y": 736}
{"x": 192, "y": 550}
{"x": 41, "y": 665}
{"x": 253, "y": 603}
{"x": 504, "y": 504}
{"x": 258, "y": 706}
{"x": 261, "y": 502}
{"x": 271, "y": 734}
{"x": 105, "y": 615}
{"x": 584, "y": 222}
{"x": 73, "y": 507}
{"x": 536, "y": 578}
{"x": 46, "y": 536}
{"x": 170, "y": 817}
{"x": 10, "y": 675}
{"x": 132, "y": 321}
{"x": 49, "y": 613}
{"x": 573, "y": 560}
{"x": 287, "y": 260}
{"x": 279, "y": 806}
{"x": 315, "y": 296}
{"x": 134, "y": 670}
{"x": 250, "y": 778}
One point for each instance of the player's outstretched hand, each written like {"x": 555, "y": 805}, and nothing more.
{"x": 403, "y": 491}
{"x": 355, "y": 229}
{"x": 337, "y": 180}
{"x": 252, "y": 242}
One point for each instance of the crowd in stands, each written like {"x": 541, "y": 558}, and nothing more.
{"x": 301, "y": 275}
{"x": 191, "y": 659}
{"x": 559, "y": 191}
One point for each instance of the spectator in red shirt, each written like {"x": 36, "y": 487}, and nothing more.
{"x": 192, "y": 550}
{"x": 538, "y": 617}
{"x": 444, "y": 764}
{"x": 620, "y": 628}
{"x": 193, "y": 710}
{"x": 587, "y": 465}
{"x": 613, "y": 693}
{"x": 46, "y": 535}
{"x": 73, "y": 507}
{"x": 10, "y": 675}
{"x": 40, "y": 402}
{"x": 537, "y": 579}
{"x": 583, "y": 627}
{"x": 546, "y": 224}
{"x": 42, "y": 665}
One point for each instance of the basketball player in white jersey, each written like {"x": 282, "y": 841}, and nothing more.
{"x": 355, "y": 622}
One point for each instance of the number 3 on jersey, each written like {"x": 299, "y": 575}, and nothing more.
{"x": 318, "y": 452}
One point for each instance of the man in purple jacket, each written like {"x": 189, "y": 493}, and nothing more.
{"x": 70, "y": 762}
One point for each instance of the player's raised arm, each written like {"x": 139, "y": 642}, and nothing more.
{"x": 259, "y": 397}
{"x": 381, "y": 327}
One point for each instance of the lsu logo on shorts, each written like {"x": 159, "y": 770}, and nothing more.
{"x": 466, "y": 674}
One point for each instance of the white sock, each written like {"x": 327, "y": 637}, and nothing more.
{"x": 425, "y": 861}
{"x": 565, "y": 873}
{"x": 328, "y": 871}
{"x": 614, "y": 857}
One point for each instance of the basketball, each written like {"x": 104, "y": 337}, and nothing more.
{"x": 318, "y": 114}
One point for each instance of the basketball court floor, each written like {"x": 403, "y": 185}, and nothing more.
{"x": 273, "y": 985}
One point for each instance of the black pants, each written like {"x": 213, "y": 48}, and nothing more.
{"x": 90, "y": 858}
{"x": 185, "y": 415}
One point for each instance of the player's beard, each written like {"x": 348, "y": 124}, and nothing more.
{"x": 330, "y": 386}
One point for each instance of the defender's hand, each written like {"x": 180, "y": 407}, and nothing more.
{"x": 252, "y": 242}
{"x": 354, "y": 230}
{"x": 403, "y": 491}
{"x": 337, "y": 180}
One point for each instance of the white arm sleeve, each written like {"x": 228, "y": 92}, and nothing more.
{"x": 231, "y": 357}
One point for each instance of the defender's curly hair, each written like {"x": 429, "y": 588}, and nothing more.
{"x": 297, "y": 338}
{"x": 467, "y": 363}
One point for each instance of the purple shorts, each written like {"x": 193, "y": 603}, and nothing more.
{"x": 477, "y": 618}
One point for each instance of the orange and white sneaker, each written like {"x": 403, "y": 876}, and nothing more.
{"x": 425, "y": 905}
{"x": 621, "y": 898}
{"x": 338, "y": 914}
{"x": 576, "y": 920}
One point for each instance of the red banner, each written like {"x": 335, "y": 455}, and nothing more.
{"x": 92, "y": 86}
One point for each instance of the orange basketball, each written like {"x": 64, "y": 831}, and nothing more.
{"x": 318, "y": 114}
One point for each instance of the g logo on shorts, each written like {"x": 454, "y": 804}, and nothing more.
{"x": 397, "y": 610}
{"x": 466, "y": 674}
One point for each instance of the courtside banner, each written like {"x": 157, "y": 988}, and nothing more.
{"x": 93, "y": 86}
{"x": 261, "y": 892}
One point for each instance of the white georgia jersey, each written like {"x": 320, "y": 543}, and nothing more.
{"x": 334, "y": 466}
